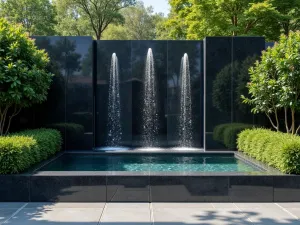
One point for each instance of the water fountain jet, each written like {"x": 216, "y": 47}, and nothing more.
{"x": 114, "y": 110}
{"x": 150, "y": 113}
{"x": 185, "y": 124}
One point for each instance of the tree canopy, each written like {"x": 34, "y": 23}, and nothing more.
{"x": 275, "y": 82}
{"x": 139, "y": 24}
{"x": 71, "y": 21}
{"x": 23, "y": 77}
{"x": 196, "y": 19}
{"x": 93, "y": 14}
{"x": 37, "y": 16}
{"x": 128, "y": 19}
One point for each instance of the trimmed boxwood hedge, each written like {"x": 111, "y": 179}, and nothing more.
{"x": 227, "y": 133}
{"x": 22, "y": 150}
{"x": 279, "y": 150}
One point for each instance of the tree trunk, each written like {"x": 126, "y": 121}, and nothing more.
{"x": 4, "y": 129}
{"x": 3, "y": 119}
{"x": 293, "y": 122}
{"x": 235, "y": 24}
{"x": 272, "y": 123}
{"x": 286, "y": 28}
{"x": 286, "y": 120}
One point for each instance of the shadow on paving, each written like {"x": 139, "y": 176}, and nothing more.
{"x": 42, "y": 215}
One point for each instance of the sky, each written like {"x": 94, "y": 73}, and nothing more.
{"x": 158, "y": 5}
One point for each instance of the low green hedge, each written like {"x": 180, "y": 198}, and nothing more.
{"x": 22, "y": 150}
{"x": 227, "y": 133}
{"x": 279, "y": 150}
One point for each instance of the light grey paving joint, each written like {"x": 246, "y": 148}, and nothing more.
{"x": 105, "y": 206}
{"x": 15, "y": 213}
{"x": 287, "y": 211}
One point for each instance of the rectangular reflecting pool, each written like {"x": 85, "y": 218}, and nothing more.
{"x": 161, "y": 176}
{"x": 151, "y": 162}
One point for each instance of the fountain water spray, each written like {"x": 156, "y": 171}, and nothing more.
{"x": 185, "y": 126}
{"x": 150, "y": 113}
{"x": 114, "y": 109}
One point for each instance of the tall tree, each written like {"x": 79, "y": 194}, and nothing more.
{"x": 290, "y": 15}
{"x": 36, "y": 16}
{"x": 101, "y": 13}
{"x": 193, "y": 19}
{"x": 140, "y": 24}
{"x": 71, "y": 20}
{"x": 24, "y": 80}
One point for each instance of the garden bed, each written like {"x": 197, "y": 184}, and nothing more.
{"x": 20, "y": 151}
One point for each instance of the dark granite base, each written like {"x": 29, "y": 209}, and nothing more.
{"x": 89, "y": 187}
{"x": 14, "y": 188}
{"x": 128, "y": 189}
{"x": 188, "y": 189}
{"x": 251, "y": 189}
{"x": 287, "y": 189}
{"x": 68, "y": 188}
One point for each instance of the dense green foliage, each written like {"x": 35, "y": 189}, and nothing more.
{"x": 139, "y": 24}
{"x": 20, "y": 151}
{"x": 71, "y": 20}
{"x": 36, "y": 16}
{"x": 96, "y": 15}
{"x": 279, "y": 150}
{"x": 188, "y": 19}
{"x": 275, "y": 82}
{"x": 227, "y": 133}
{"x": 24, "y": 80}
{"x": 191, "y": 19}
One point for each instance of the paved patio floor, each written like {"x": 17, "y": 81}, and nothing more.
{"x": 148, "y": 214}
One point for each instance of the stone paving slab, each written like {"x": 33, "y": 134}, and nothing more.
{"x": 6, "y": 214}
{"x": 56, "y": 216}
{"x": 42, "y": 205}
{"x": 149, "y": 213}
{"x": 224, "y": 205}
{"x": 122, "y": 216}
{"x": 270, "y": 216}
{"x": 182, "y": 205}
{"x": 295, "y": 212}
{"x": 128, "y": 205}
{"x": 251, "y": 205}
{"x": 199, "y": 216}
{"x": 11, "y": 205}
{"x": 290, "y": 205}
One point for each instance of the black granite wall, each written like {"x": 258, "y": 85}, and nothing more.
{"x": 70, "y": 98}
{"x": 81, "y": 67}
{"x": 227, "y": 60}
{"x": 167, "y": 58}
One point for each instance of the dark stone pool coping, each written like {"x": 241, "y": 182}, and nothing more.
{"x": 73, "y": 186}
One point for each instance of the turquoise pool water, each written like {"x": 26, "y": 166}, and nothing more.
{"x": 153, "y": 162}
